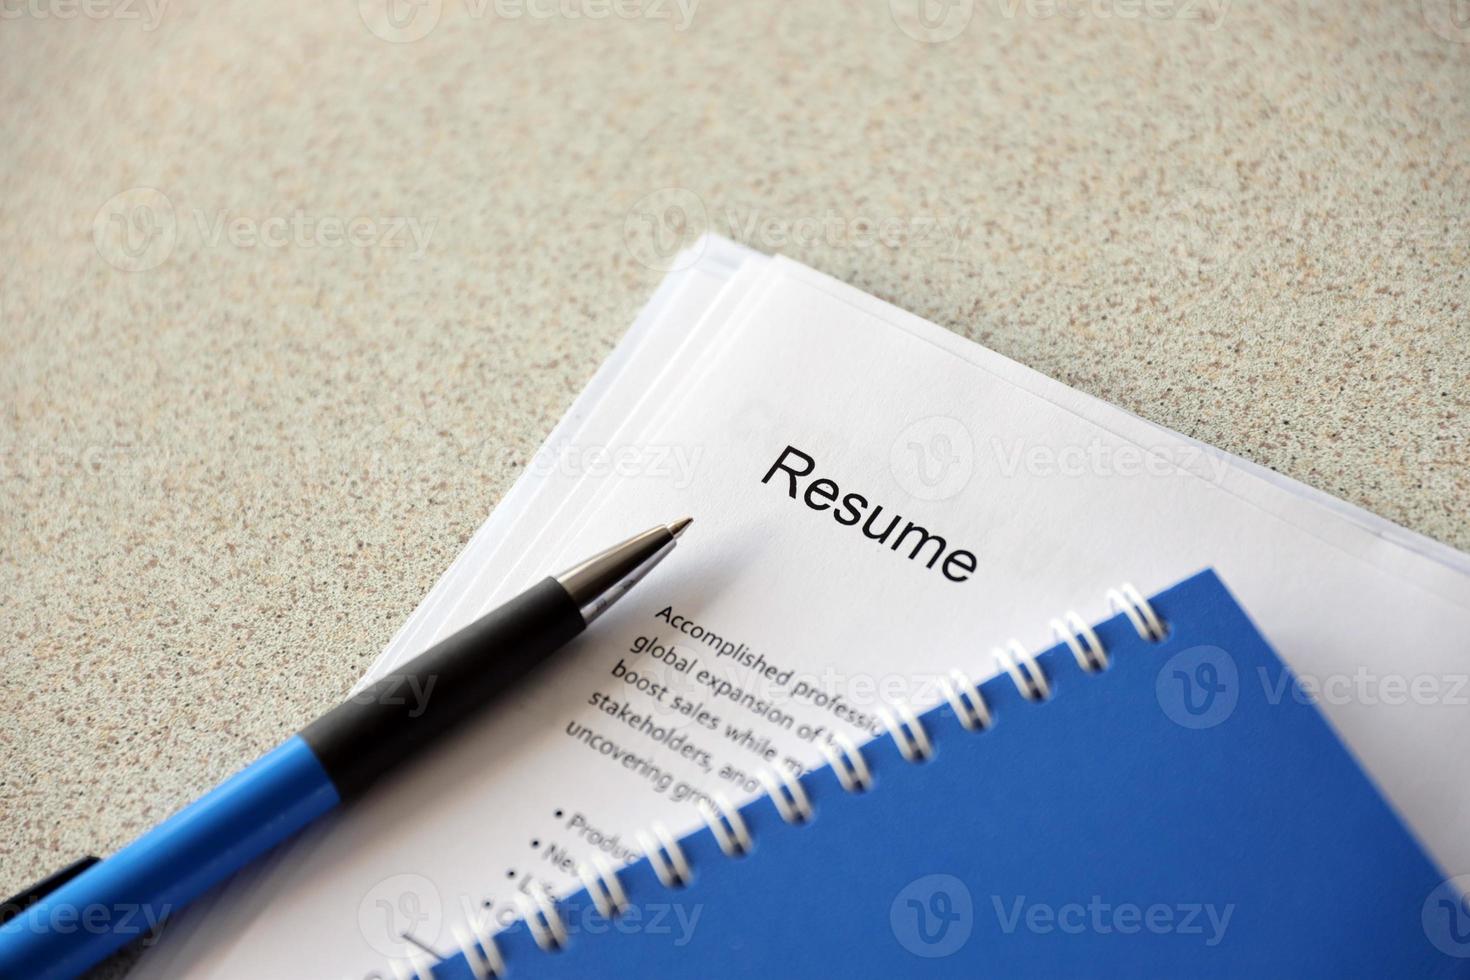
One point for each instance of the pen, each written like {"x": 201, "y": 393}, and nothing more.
{"x": 78, "y": 916}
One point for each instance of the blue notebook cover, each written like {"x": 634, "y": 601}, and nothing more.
{"x": 1177, "y": 813}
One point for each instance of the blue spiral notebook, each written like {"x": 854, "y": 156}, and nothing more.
{"x": 1148, "y": 798}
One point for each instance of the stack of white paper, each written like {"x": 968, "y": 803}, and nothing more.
{"x": 969, "y": 501}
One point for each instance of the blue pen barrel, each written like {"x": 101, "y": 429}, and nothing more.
{"x": 124, "y": 896}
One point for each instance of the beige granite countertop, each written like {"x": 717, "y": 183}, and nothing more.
{"x": 290, "y": 295}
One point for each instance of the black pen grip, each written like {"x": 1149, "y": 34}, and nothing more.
{"x": 401, "y": 713}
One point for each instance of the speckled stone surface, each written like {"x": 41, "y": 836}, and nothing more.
{"x": 243, "y": 434}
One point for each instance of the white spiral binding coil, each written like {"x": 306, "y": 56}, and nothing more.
{"x": 728, "y": 826}
{"x": 1127, "y": 600}
{"x": 667, "y": 857}
{"x": 479, "y": 949}
{"x": 603, "y": 885}
{"x": 785, "y": 791}
{"x": 1024, "y": 670}
{"x": 908, "y": 732}
{"x": 1082, "y": 641}
{"x": 543, "y": 920}
{"x": 966, "y": 700}
{"x": 416, "y": 966}
{"x": 849, "y": 765}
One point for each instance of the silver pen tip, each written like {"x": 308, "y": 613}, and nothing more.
{"x": 602, "y": 579}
